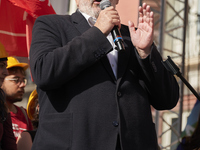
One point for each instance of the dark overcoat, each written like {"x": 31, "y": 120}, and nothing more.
{"x": 82, "y": 105}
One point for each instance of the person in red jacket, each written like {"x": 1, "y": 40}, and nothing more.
{"x": 25, "y": 140}
{"x": 7, "y": 139}
{"x": 13, "y": 87}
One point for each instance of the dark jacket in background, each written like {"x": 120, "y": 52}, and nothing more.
{"x": 7, "y": 139}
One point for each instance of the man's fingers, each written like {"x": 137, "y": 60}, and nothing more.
{"x": 144, "y": 5}
{"x": 151, "y": 19}
{"x": 131, "y": 26}
{"x": 148, "y": 8}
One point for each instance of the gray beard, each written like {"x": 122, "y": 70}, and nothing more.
{"x": 86, "y": 7}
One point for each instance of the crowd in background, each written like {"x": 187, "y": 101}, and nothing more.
{"x": 17, "y": 124}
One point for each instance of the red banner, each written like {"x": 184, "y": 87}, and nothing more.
{"x": 17, "y": 18}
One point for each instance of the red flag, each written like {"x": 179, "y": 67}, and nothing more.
{"x": 17, "y": 19}
{"x": 34, "y": 7}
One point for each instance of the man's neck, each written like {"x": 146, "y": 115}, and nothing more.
{"x": 11, "y": 107}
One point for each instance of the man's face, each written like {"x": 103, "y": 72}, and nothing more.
{"x": 91, "y": 7}
{"x": 3, "y": 71}
{"x": 14, "y": 85}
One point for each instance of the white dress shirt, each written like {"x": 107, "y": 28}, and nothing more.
{"x": 113, "y": 55}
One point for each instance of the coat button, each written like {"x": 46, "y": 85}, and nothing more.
{"x": 115, "y": 124}
{"x": 119, "y": 94}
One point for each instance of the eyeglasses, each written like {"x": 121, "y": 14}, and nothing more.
{"x": 17, "y": 80}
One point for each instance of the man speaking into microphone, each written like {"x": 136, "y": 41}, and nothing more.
{"x": 93, "y": 95}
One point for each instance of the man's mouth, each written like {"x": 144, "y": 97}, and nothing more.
{"x": 21, "y": 91}
{"x": 97, "y": 0}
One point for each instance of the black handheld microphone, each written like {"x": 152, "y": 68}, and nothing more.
{"x": 117, "y": 38}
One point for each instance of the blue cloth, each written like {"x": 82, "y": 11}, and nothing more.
{"x": 180, "y": 146}
{"x": 192, "y": 120}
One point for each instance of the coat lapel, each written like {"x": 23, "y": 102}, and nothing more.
{"x": 123, "y": 58}
{"x": 80, "y": 22}
{"x": 82, "y": 25}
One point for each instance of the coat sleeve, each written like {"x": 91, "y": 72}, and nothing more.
{"x": 161, "y": 85}
{"x": 59, "y": 52}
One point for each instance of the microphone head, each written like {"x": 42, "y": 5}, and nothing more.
{"x": 104, "y": 4}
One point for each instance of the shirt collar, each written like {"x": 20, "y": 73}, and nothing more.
{"x": 87, "y": 17}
